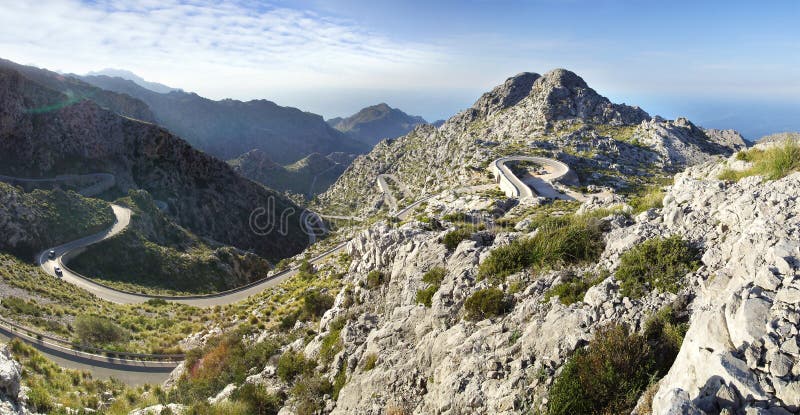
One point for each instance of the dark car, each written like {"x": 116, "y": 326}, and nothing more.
{"x": 51, "y": 254}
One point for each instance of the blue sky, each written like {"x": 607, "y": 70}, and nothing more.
{"x": 722, "y": 64}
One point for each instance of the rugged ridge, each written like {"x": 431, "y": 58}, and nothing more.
{"x": 229, "y": 128}
{"x": 77, "y": 90}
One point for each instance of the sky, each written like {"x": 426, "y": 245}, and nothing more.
{"x": 723, "y": 64}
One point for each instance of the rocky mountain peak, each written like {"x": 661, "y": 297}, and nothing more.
{"x": 561, "y": 94}
{"x": 507, "y": 94}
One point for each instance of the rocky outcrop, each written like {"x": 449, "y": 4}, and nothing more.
{"x": 742, "y": 347}
{"x": 11, "y": 399}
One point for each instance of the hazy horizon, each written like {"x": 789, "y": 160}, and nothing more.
{"x": 336, "y": 57}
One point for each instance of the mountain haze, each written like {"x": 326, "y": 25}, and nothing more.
{"x": 375, "y": 123}
{"x": 65, "y": 136}
{"x": 229, "y": 128}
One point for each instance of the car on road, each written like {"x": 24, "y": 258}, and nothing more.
{"x": 51, "y": 254}
{"x": 58, "y": 271}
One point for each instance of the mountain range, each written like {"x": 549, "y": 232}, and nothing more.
{"x": 47, "y": 129}
{"x": 229, "y": 128}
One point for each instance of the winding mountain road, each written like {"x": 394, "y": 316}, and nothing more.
{"x": 144, "y": 371}
{"x": 542, "y": 185}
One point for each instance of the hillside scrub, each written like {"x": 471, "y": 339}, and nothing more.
{"x": 52, "y": 386}
{"x": 94, "y": 330}
{"x": 559, "y": 241}
{"x": 49, "y": 217}
{"x": 453, "y": 238}
{"x": 572, "y": 290}
{"x": 51, "y": 305}
{"x": 606, "y": 377}
{"x": 154, "y": 255}
{"x": 433, "y": 278}
{"x": 486, "y": 303}
{"x": 650, "y": 198}
{"x": 772, "y": 163}
{"x": 224, "y": 359}
{"x": 656, "y": 264}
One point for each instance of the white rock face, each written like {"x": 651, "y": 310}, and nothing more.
{"x": 176, "y": 409}
{"x": 743, "y": 337}
{"x": 11, "y": 396}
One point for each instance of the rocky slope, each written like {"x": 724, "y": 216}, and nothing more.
{"x": 375, "y": 123}
{"x": 557, "y": 115}
{"x": 81, "y": 137}
{"x": 230, "y": 128}
{"x": 385, "y": 352}
{"x": 308, "y": 176}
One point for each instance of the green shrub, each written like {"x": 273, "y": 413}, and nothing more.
{"x": 572, "y": 290}
{"x": 455, "y": 217}
{"x": 434, "y": 276}
{"x": 650, "y": 198}
{"x": 257, "y": 399}
{"x": 425, "y": 295}
{"x": 486, "y": 303}
{"x": 453, "y": 238}
{"x": 39, "y": 400}
{"x": 606, "y": 377}
{"x": 309, "y": 393}
{"x": 370, "y": 361}
{"x": 316, "y": 303}
{"x": 571, "y": 239}
{"x": 332, "y": 342}
{"x": 95, "y": 330}
{"x": 291, "y": 364}
{"x": 375, "y": 279}
{"x": 659, "y": 263}
{"x": 773, "y": 163}
{"x": 665, "y": 331}
{"x": 338, "y": 382}
{"x": 20, "y": 306}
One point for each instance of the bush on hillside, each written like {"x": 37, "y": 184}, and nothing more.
{"x": 606, "y": 377}
{"x": 486, "y": 303}
{"x": 98, "y": 331}
{"x": 659, "y": 263}
{"x": 316, "y": 303}
{"x": 571, "y": 239}
{"x": 453, "y": 238}
{"x": 772, "y": 163}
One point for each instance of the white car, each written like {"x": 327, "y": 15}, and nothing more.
{"x": 58, "y": 271}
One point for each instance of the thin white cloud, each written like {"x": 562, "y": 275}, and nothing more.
{"x": 193, "y": 42}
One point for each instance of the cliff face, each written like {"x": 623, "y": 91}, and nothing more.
{"x": 43, "y": 133}
{"x": 556, "y": 115}
{"x": 230, "y": 128}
